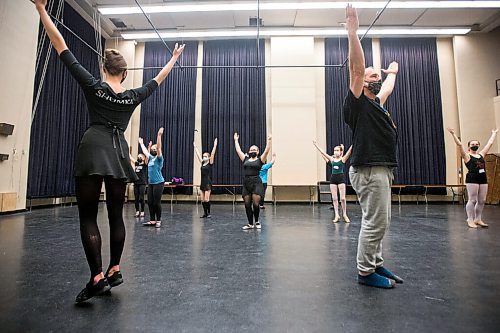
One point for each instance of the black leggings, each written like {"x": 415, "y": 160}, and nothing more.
{"x": 154, "y": 201}
{"x": 139, "y": 196}
{"x": 252, "y": 201}
{"x": 88, "y": 191}
{"x": 264, "y": 196}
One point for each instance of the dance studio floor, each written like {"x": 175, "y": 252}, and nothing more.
{"x": 297, "y": 274}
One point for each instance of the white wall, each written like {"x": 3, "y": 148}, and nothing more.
{"x": 319, "y": 58}
{"x": 18, "y": 37}
{"x": 137, "y": 82}
{"x": 450, "y": 107}
{"x": 477, "y": 66}
{"x": 293, "y": 107}
{"x": 197, "y": 116}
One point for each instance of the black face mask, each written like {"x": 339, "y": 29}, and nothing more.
{"x": 124, "y": 76}
{"x": 474, "y": 148}
{"x": 374, "y": 87}
{"x": 154, "y": 153}
{"x": 252, "y": 154}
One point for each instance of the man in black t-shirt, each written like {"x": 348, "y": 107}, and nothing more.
{"x": 374, "y": 143}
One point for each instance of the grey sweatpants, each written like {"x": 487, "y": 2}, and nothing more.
{"x": 373, "y": 187}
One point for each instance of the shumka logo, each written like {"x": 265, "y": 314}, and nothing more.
{"x": 103, "y": 95}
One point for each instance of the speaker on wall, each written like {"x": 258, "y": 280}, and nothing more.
{"x": 6, "y": 129}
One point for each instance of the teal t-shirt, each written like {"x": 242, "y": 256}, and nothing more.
{"x": 264, "y": 171}
{"x": 154, "y": 170}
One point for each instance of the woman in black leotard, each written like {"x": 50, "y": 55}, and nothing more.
{"x": 475, "y": 181}
{"x": 103, "y": 153}
{"x": 141, "y": 170}
{"x": 207, "y": 162}
{"x": 253, "y": 189}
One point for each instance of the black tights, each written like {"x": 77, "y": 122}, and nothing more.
{"x": 264, "y": 196}
{"x": 88, "y": 191}
{"x": 154, "y": 201}
{"x": 139, "y": 197}
{"x": 252, "y": 201}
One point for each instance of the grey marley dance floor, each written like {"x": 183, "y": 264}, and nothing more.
{"x": 297, "y": 274}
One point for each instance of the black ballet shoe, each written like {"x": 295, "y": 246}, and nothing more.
{"x": 115, "y": 279}
{"x": 91, "y": 290}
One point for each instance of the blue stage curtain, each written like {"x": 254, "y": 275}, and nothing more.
{"x": 336, "y": 88}
{"x": 234, "y": 100}
{"x": 415, "y": 106}
{"x": 61, "y": 116}
{"x": 172, "y": 106}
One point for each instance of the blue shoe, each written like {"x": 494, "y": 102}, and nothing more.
{"x": 388, "y": 274}
{"x": 375, "y": 280}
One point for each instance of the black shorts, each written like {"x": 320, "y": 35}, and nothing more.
{"x": 206, "y": 185}
{"x": 252, "y": 185}
{"x": 337, "y": 179}
{"x": 476, "y": 178}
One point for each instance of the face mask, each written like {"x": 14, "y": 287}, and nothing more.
{"x": 252, "y": 154}
{"x": 336, "y": 154}
{"x": 474, "y": 148}
{"x": 154, "y": 153}
{"x": 124, "y": 76}
{"x": 205, "y": 158}
{"x": 374, "y": 87}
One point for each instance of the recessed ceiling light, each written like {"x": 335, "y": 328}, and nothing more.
{"x": 292, "y": 32}
{"x": 252, "y": 6}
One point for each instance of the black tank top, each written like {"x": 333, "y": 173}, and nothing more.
{"x": 252, "y": 168}
{"x": 206, "y": 171}
{"x": 476, "y": 165}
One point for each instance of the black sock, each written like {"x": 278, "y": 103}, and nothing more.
{"x": 208, "y": 207}
{"x": 205, "y": 208}
{"x": 249, "y": 212}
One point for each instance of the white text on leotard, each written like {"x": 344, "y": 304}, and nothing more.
{"x": 103, "y": 95}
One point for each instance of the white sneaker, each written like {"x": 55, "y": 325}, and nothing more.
{"x": 142, "y": 214}
{"x": 137, "y": 214}
{"x": 248, "y": 226}
{"x": 158, "y": 224}
{"x": 258, "y": 225}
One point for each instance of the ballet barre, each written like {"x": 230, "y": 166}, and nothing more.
{"x": 173, "y": 195}
{"x": 312, "y": 191}
{"x": 460, "y": 190}
{"x": 226, "y": 187}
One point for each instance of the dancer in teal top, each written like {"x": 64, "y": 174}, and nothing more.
{"x": 263, "y": 176}
{"x": 156, "y": 182}
{"x": 337, "y": 179}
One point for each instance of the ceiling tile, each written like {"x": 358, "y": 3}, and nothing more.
{"x": 455, "y": 17}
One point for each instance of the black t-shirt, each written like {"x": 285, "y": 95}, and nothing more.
{"x": 141, "y": 170}
{"x": 374, "y": 134}
{"x": 104, "y": 105}
{"x": 252, "y": 168}
{"x": 206, "y": 171}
